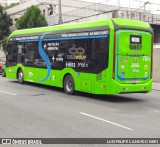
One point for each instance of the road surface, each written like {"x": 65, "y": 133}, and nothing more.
{"x": 32, "y": 110}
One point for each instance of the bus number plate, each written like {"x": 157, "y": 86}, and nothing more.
{"x": 134, "y": 81}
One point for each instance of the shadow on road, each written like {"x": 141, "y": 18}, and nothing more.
{"x": 41, "y": 86}
{"x": 112, "y": 98}
{"x": 120, "y": 98}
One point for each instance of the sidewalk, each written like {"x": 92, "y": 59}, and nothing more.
{"x": 156, "y": 86}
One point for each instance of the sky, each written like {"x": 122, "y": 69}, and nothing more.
{"x": 153, "y": 7}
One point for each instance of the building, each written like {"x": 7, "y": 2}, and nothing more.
{"x": 79, "y": 10}
{"x": 8, "y": 2}
{"x": 76, "y": 10}
{"x": 44, "y": 5}
{"x": 2, "y": 56}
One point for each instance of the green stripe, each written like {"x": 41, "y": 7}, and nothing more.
{"x": 89, "y": 24}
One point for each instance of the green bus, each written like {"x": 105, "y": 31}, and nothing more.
{"x": 108, "y": 56}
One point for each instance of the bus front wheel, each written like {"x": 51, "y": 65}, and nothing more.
{"x": 69, "y": 85}
{"x": 20, "y": 77}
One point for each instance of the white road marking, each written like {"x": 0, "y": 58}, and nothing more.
{"x": 105, "y": 120}
{"x": 7, "y": 92}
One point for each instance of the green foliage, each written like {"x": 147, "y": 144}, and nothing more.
{"x": 5, "y": 23}
{"x": 32, "y": 18}
{"x": 3, "y": 43}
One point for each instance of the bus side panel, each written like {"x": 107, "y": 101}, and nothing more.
{"x": 29, "y": 74}
{"x": 87, "y": 82}
{"x": 60, "y": 75}
{"x": 41, "y": 75}
{"x": 100, "y": 83}
{"x": 83, "y": 81}
{"x": 109, "y": 70}
{"x": 11, "y": 72}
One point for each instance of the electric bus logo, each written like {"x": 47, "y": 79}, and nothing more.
{"x": 45, "y": 58}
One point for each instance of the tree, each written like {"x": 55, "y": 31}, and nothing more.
{"x": 32, "y": 18}
{"x": 3, "y": 43}
{"x": 5, "y": 23}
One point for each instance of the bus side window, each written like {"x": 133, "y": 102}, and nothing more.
{"x": 51, "y": 47}
{"x": 100, "y": 48}
{"x": 12, "y": 50}
{"x": 29, "y": 53}
{"x": 21, "y": 52}
{"x": 63, "y": 48}
{"x": 39, "y": 62}
{"x": 79, "y": 47}
{"x": 9, "y": 52}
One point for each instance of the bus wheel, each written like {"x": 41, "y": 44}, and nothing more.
{"x": 3, "y": 73}
{"x": 20, "y": 77}
{"x": 69, "y": 85}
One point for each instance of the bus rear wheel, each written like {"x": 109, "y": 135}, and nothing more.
{"x": 20, "y": 77}
{"x": 69, "y": 85}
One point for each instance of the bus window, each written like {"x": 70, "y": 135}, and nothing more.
{"x": 29, "y": 53}
{"x": 64, "y": 46}
{"x": 77, "y": 51}
{"x": 79, "y": 47}
{"x": 100, "y": 48}
{"x": 21, "y": 52}
{"x": 51, "y": 48}
{"x": 56, "y": 51}
{"x": 39, "y": 62}
{"x": 12, "y": 50}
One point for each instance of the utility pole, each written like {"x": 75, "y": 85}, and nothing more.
{"x": 118, "y": 4}
{"x": 145, "y": 9}
{"x": 60, "y": 13}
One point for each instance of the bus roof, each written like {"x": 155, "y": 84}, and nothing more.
{"x": 95, "y": 23}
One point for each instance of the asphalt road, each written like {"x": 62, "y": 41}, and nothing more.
{"x": 32, "y": 110}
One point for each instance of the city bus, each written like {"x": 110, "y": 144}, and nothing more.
{"x": 107, "y": 56}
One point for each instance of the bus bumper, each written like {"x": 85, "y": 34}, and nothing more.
{"x": 117, "y": 88}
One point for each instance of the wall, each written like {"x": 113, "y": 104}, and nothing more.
{"x": 67, "y": 5}
{"x": 156, "y": 64}
{"x": 2, "y": 55}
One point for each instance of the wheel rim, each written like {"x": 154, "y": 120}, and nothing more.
{"x": 20, "y": 76}
{"x": 69, "y": 85}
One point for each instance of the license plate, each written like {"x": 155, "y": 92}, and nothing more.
{"x": 134, "y": 81}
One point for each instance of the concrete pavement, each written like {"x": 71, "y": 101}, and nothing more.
{"x": 156, "y": 86}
